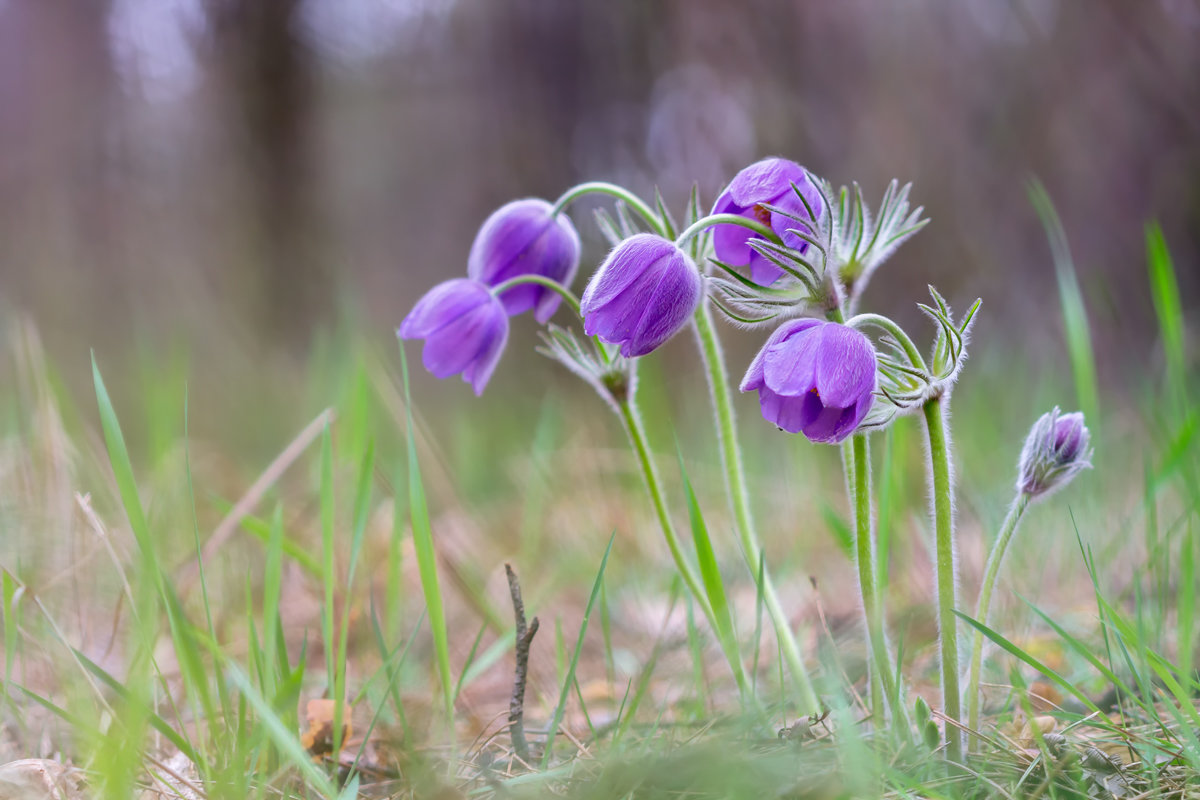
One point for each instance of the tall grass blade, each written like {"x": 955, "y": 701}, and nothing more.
{"x": 1164, "y": 289}
{"x": 1011, "y": 648}
{"x": 561, "y": 708}
{"x": 426, "y": 555}
{"x": 285, "y": 740}
{"x": 714, "y": 585}
{"x": 1074, "y": 313}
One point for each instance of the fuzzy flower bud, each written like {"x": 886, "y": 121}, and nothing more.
{"x": 764, "y": 183}
{"x": 525, "y": 238}
{"x": 1055, "y": 450}
{"x": 814, "y": 377}
{"x": 464, "y": 327}
{"x": 643, "y": 293}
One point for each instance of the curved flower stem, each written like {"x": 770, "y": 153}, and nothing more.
{"x": 637, "y": 437}
{"x": 883, "y": 684}
{"x": 947, "y": 572}
{"x": 726, "y": 219}
{"x": 888, "y": 326}
{"x": 621, "y": 193}
{"x": 991, "y": 572}
{"x": 735, "y": 484}
{"x": 540, "y": 280}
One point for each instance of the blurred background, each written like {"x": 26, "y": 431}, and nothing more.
{"x": 232, "y": 177}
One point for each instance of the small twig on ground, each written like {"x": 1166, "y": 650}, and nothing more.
{"x": 516, "y": 706}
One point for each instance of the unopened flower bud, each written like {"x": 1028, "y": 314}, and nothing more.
{"x": 643, "y": 293}
{"x": 525, "y": 237}
{"x": 1056, "y": 449}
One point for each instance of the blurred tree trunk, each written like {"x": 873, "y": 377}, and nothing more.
{"x": 270, "y": 101}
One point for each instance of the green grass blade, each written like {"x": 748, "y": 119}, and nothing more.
{"x": 1011, "y": 648}
{"x": 1164, "y": 289}
{"x": 285, "y": 741}
{"x": 328, "y": 565}
{"x": 561, "y": 708}
{"x": 9, "y": 595}
{"x": 714, "y": 585}
{"x": 1074, "y": 312}
{"x": 154, "y": 720}
{"x": 122, "y": 467}
{"x": 426, "y": 555}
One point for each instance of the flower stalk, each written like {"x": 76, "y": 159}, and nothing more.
{"x": 735, "y": 484}
{"x": 947, "y": 570}
{"x": 883, "y": 683}
{"x": 991, "y": 571}
{"x": 632, "y": 422}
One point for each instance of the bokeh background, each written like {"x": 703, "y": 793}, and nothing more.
{"x": 232, "y": 177}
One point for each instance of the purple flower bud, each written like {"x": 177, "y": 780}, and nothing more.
{"x": 464, "y": 327}
{"x": 643, "y": 293}
{"x": 814, "y": 377}
{"x": 1054, "y": 452}
{"x": 765, "y": 183}
{"x": 524, "y": 238}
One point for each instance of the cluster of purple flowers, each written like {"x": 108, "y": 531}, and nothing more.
{"x": 464, "y": 321}
{"x": 813, "y": 377}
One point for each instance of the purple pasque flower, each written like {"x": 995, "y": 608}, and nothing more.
{"x": 464, "y": 327}
{"x": 814, "y": 377}
{"x": 524, "y": 237}
{"x": 643, "y": 293}
{"x": 1055, "y": 451}
{"x": 764, "y": 183}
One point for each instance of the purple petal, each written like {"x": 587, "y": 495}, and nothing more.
{"x": 442, "y": 305}
{"x": 785, "y": 411}
{"x": 826, "y": 424}
{"x": 730, "y": 242}
{"x": 505, "y": 235}
{"x": 765, "y": 181}
{"x": 668, "y": 309}
{"x": 762, "y": 270}
{"x": 845, "y": 367}
{"x": 790, "y": 366}
{"x": 616, "y": 319}
{"x": 628, "y": 262}
{"x": 522, "y": 238}
{"x": 484, "y": 364}
{"x": 754, "y": 375}
{"x": 452, "y": 348}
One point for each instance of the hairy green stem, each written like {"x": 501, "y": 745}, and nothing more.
{"x": 621, "y": 193}
{"x": 705, "y": 223}
{"x": 735, "y": 484}
{"x": 883, "y": 684}
{"x": 540, "y": 280}
{"x": 888, "y": 326}
{"x": 991, "y": 572}
{"x": 947, "y": 573}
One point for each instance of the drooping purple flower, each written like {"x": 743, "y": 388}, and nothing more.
{"x": 764, "y": 183}
{"x": 464, "y": 327}
{"x": 524, "y": 238}
{"x": 1055, "y": 451}
{"x": 643, "y": 293}
{"x": 815, "y": 378}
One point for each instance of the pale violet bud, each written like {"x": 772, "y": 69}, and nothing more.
{"x": 1055, "y": 451}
